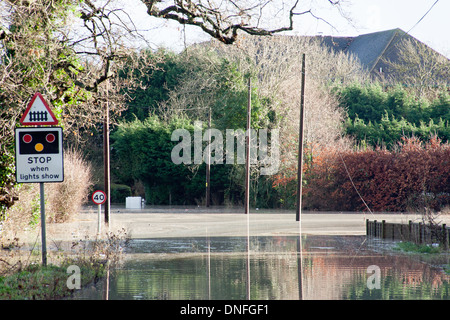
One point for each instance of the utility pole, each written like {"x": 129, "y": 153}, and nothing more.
{"x": 300, "y": 144}
{"x": 208, "y": 164}
{"x": 106, "y": 157}
{"x": 247, "y": 149}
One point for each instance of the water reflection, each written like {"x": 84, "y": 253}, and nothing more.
{"x": 281, "y": 268}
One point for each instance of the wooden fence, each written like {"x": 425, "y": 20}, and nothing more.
{"x": 418, "y": 233}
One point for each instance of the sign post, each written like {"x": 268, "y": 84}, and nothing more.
{"x": 39, "y": 153}
{"x": 99, "y": 198}
{"x": 43, "y": 232}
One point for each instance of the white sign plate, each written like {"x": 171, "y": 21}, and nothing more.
{"x": 39, "y": 155}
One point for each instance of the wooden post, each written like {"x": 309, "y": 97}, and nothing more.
{"x": 247, "y": 150}
{"x": 410, "y": 235}
{"x": 375, "y": 228}
{"x": 300, "y": 144}
{"x": 444, "y": 236}
{"x": 208, "y": 164}
{"x": 420, "y": 233}
{"x": 106, "y": 157}
{"x": 447, "y": 237}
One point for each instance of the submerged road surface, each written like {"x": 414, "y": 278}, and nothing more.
{"x": 170, "y": 223}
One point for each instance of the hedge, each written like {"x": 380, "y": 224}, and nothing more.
{"x": 414, "y": 176}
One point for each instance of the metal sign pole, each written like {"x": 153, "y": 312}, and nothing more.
{"x": 99, "y": 197}
{"x": 43, "y": 233}
{"x": 99, "y": 226}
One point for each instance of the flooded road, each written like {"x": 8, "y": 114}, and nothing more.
{"x": 270, "y": 267}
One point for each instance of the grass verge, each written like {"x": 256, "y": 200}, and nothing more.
{"x": 33, "y": 281}
{"x": 416, "y": 248}
{"x": 38, "y": 282}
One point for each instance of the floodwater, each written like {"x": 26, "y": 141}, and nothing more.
{"x": 275, "y": 268}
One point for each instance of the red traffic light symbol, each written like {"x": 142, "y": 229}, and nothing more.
{"x": 27, "y": 138}
{"x": 50, "y": 138}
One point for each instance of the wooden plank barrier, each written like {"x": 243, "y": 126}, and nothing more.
{"x": 416, "y": 232}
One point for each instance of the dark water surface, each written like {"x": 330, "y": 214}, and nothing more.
{"x": 276, "y": 268}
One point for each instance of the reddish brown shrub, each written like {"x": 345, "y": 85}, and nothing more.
{"x": 414, "y": 176}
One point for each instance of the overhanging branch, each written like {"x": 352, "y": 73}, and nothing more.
{"x": 217, "y": 22}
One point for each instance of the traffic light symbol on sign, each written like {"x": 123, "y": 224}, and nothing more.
{"x": 38, "y": 142}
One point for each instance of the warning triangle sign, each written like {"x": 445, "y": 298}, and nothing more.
{"x": 38, "y": 112}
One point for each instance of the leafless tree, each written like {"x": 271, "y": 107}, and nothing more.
{"x": 419, "y": 68}
{"x": 223, "y": 20}
{"x": 277, "y": 63}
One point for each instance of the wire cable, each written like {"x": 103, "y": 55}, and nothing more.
{"x": 351, "y": 180}
{"x": 422, "y": 17}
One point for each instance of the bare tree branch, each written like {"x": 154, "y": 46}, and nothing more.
{"x": 223, "y": 20}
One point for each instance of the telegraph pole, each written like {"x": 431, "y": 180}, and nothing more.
{"x": 300, "y": 143}
{"x": 208, "y": 163}
{"x": 106, "y": 157}
{"x": 247, "y": 149}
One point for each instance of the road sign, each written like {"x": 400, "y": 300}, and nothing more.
{"x": 38, "y": 112}
{"x": 39, "y": 155}
{"x": 99, "y": 197}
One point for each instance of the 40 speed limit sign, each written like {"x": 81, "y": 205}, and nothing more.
{"x": 99, "y": 197}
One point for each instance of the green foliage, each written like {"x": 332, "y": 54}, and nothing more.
{"x": 119, "y": 192}
{"x": 7, "y": 179}
{"x": 229, "y": 109}
{"x": 142, "y": 145}
{"x": 379, "y": 116}
{"x": 447, "y": 269}
{"x": 416, "y": 248}
{"x": 142, "y": 151}
{"x": 35, "y": 211}
{"x": 155, "y": 83}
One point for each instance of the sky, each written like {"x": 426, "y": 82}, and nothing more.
{"x": 357, "y": 17}
{"x": 378, "y": 15}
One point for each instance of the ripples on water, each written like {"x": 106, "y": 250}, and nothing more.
{"x": 260, "y": 268}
